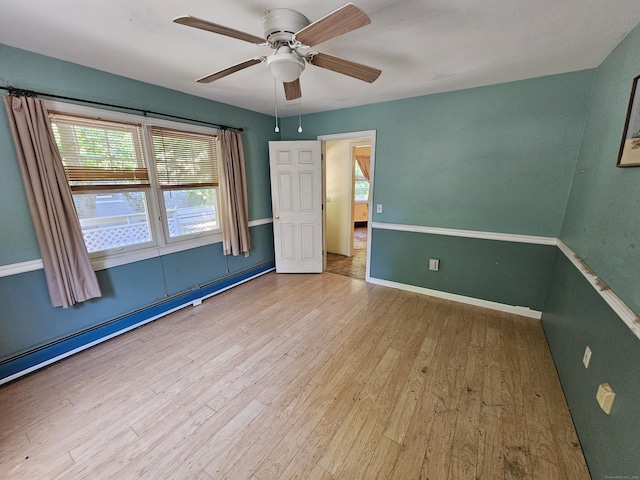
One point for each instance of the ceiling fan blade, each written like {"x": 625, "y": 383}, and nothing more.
{"x": 230, "y": 70}
{"x": 292, "y": 90}
{"x": 344, "y": 20}
{"x": 345, "y": 67}
{"x": 195, "y": 22}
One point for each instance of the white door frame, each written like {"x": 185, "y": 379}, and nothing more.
{"x": 350, "y": 136}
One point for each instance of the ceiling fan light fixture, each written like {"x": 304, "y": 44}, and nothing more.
{"x": 290, "y": 33}
{"x": 285, "y": 65}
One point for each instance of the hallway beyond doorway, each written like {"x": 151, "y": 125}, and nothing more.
{"x": 354, "y": 266}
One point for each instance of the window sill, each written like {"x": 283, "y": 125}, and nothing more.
{"x": 117, "y": 259}
{"x": 114, "y": 260}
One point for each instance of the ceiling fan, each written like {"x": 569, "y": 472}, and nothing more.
{"x": 288, "y": 32}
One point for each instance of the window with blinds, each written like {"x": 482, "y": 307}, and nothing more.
{"x": 100, "y": 155}
{"x": 187, "y": 170}
{"x": 139, "y": 183}
{"x": 184, "y": 159}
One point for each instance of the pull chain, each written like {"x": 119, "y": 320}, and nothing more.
{"x": 275, "y": 98}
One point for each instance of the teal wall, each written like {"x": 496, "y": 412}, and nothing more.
{"x": 505, "y": 272}
{"x": 602, "y": 226}
{"x": 27, "y": 70}
{"x": 27, "y": 321}
{"x": 497, "y": 159}
{"x": 575, "y": 316}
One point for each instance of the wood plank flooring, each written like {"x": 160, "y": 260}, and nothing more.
{"x": 315, "y": 377}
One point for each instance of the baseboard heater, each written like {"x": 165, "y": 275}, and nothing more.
{"x": 40, "y": 357}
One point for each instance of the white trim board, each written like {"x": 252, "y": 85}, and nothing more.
{"x": 451, "y": 232}
{"x": 524, "y": 311}
{"x": 627, "y": 315}
{"x": 349, "y": 135}
{"x": 262, "y": 221}
{"x": 22, "y": 267}
{"x": 130, "y": 257}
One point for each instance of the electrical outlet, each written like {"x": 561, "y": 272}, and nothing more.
{"x": 605, "y": 397}
{"x": 586, "y": 357}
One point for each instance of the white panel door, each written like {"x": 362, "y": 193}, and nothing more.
{"x": 296, "y": 197}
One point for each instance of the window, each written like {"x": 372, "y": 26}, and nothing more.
{"x": 361, "y": 188}
{"x": 187, "y": 169}
{"x": 150, "y": 185}
{"x": 102, "y": 159}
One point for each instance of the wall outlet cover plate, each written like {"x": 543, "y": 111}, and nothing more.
{"x": 605, "y": 397}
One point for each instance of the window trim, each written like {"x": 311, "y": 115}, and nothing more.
{"x": 161, "y": 244}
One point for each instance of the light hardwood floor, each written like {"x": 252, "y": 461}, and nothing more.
{"x": 300, "y": 377}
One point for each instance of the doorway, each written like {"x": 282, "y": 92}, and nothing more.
{"x": 348, "y": 175}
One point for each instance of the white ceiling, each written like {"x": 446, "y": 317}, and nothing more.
{"x": 421, "y": 46}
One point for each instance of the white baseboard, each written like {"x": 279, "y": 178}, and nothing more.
{"x": 524, "y": 311}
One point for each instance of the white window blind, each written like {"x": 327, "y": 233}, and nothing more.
{"x": 100, "y": 155}
{"x": 184, "y": 159}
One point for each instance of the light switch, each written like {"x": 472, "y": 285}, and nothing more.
{"x": 605, "y": 397}
{"x": 434, "y": 264}
{"x": 379, "y": 208}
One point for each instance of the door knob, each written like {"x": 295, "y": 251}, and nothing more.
{"x": 277, "y": 217}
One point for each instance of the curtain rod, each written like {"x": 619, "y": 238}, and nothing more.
{"x": 31, "y": 93}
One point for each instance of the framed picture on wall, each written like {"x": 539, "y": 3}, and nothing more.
{"x": 630, "y": 148}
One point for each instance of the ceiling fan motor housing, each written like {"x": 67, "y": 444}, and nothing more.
{"x": 280, "y": 24}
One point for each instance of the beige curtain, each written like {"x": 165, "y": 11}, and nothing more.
{"x": 235, "y": 225}
{"x": 67, "y": 268}
{"x": 363, "y": 162}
